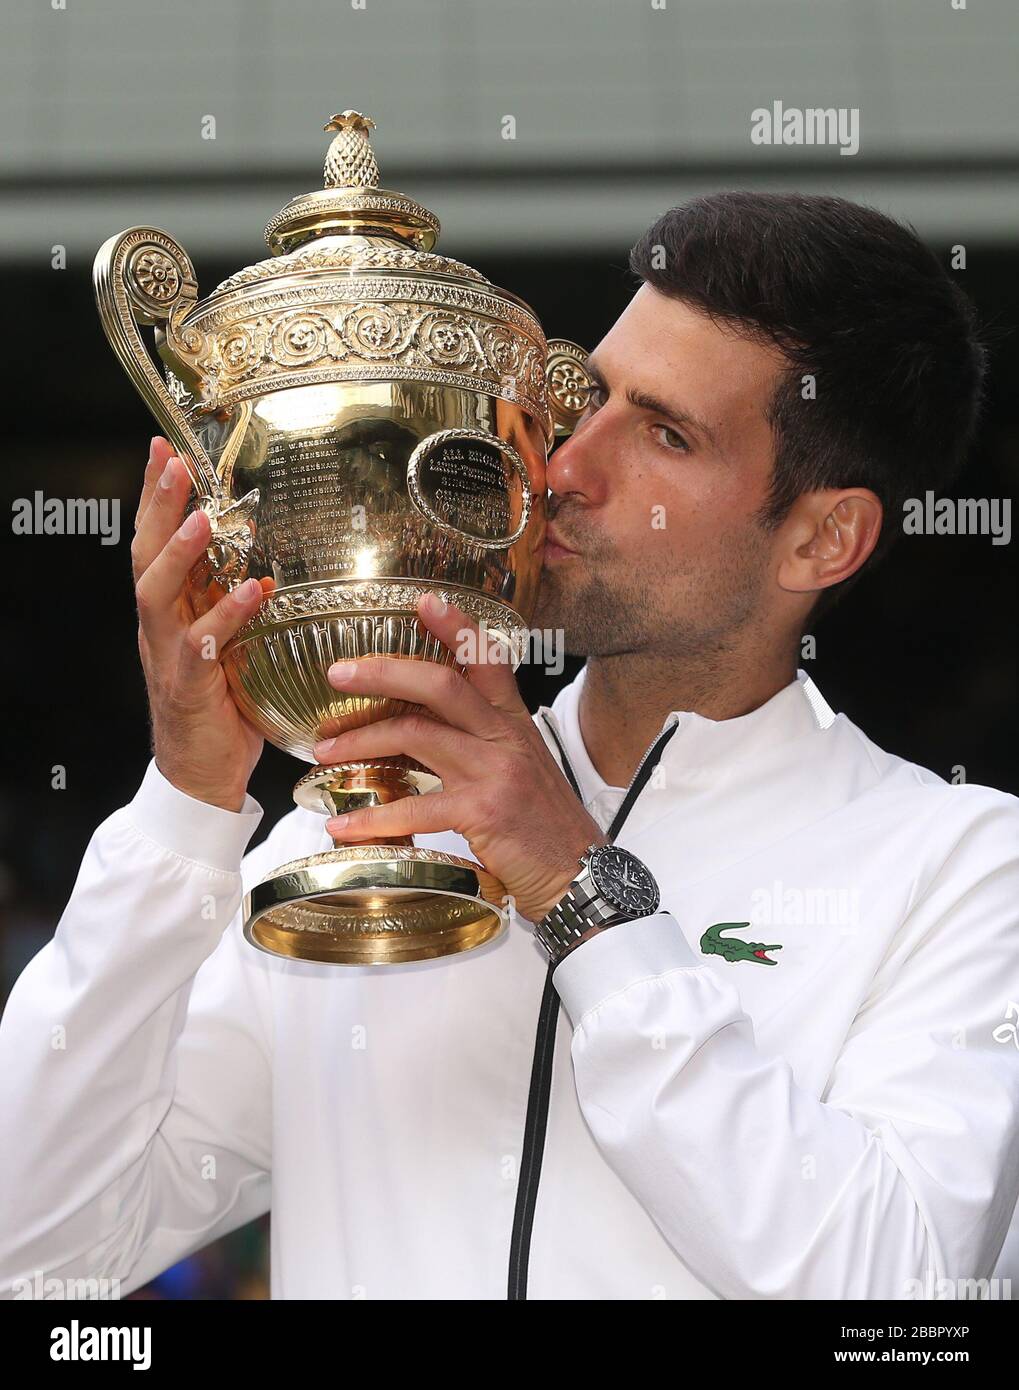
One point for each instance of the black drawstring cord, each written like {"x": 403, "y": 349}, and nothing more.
{"x": 536, "y": 1121}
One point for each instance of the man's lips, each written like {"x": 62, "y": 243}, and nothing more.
{"x": 555, "y": 545}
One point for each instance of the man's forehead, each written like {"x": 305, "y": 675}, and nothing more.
{"x": 680, "y": 353}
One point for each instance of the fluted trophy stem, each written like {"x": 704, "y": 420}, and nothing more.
{"x": 342, "y": 787}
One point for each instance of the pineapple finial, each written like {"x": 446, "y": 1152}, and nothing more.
{"x": 350, "y": 161}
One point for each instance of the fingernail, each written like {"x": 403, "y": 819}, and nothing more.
{"x": 337, "y": 822}
{"x": 246, "y": 592}
{"x": 169, "y": 473}
{"x": 436, "y": 604}
{"x": 323, "y": 749}
{"x": 190, "y": 526}
{"x": 341, "y": 671}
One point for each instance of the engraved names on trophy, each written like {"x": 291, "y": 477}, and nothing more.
{"x": 321, "y": 489}
{"x": 306, "y": 513}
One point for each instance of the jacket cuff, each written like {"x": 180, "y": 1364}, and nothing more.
{"x": 193, "y": 829}
{"x": 621, "y": 956}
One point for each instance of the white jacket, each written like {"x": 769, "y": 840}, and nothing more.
{"x": 842, "y": 1124}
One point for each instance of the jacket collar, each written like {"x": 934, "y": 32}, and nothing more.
{"x": 699, "y": 744}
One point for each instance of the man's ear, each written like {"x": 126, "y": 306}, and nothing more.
{"x": 830, "y": 534}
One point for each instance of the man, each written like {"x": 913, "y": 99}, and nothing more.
{"x": 784, "y": 1083}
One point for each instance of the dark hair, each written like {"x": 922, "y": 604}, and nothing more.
{"x": 853, "y": 299}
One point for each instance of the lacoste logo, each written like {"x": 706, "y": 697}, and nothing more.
{"x": 730, "y": 948}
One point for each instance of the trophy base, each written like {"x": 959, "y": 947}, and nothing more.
{"x": 374, "y": 905}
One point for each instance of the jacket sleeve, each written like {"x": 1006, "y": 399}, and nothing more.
{"x": 903, "y": 1173}
{"x": 135, "y": 1057}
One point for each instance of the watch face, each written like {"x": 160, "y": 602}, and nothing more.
{"x": 620, "y": 877}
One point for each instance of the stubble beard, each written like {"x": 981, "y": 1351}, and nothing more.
{"x": 607, "y": 608}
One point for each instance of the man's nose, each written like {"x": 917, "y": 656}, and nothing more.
{"x": 578, "y": 465}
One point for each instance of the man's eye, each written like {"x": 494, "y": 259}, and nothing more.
{"x": 596, "y": 397}
{"x": 671, "y": 439}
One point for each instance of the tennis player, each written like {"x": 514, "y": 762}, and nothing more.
{"x": 748, "y": 1035}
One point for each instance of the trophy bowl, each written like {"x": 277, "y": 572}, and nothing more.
{"x": 363, "y": 421}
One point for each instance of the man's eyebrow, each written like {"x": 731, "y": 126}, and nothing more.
{"x": 643, "y": 400}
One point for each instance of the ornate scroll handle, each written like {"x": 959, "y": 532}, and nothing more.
{"x": 568, "y": 384}
{"x": 142, "y": 276}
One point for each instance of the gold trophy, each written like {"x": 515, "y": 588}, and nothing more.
{"x": 363, "y": 420}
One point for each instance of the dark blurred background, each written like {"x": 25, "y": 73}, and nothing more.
{"x": 621, "y": 111}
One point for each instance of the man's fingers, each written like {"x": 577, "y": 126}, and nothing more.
{"x": 410, "y": 815}
{"x": 438, "y": 688}
{"x": 163, "y": 516}
{"x": 485, "y": 655}
{"x": 159, "y": 451}
{"x": 209, "y": 634}
{"x": 452, "y": 755}
{"x": 161, "y": 583}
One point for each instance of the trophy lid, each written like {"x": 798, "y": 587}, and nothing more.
{"x": 351, "y": 200}
{"x": 352, "y": 223}
{"x": 354, "y": 292}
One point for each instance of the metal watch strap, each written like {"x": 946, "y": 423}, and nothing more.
{"x": 579, "y": 909}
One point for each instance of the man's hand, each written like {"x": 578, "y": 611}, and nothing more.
{"x": 502, "y": 789}
{"x": 202, "y": 743}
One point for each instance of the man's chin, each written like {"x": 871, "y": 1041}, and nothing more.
{"x": 555, "y": 613}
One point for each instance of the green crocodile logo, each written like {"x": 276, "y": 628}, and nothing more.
{"x": 713, "y": 943}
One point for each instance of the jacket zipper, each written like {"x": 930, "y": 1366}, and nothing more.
{"x": 656, "y": 744}
{"x": 548, "y": 719}
{"x": 542, "y": 1064}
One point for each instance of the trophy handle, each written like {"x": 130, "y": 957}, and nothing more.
{"x": 143, "y": 276}
{"x": 568, "y": 384}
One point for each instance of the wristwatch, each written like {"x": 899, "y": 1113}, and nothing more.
{"x": 612, "y": 886}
